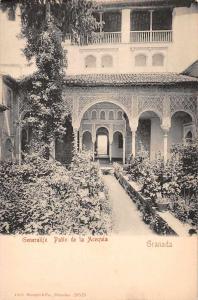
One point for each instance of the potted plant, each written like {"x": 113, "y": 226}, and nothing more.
{"x": 162, "y": 203}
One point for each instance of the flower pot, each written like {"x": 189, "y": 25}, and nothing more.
{"x": 163, "y": 206}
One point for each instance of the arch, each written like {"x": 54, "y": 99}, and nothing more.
{"x": 94, "y": 115}
{"x": 87, "y": 140}
{"x": 120, "y": 138}
{"x": 189, "y": 135}
{"x": 181, "y": 124}
{"x": 119, "y": 115}
{"x": 158, "y": 60}
{"x": 111, "y": 115}
{"x": 140, "y": 60}
{"x": 102, "y": 115}
{"x": 185, "y": 111}
{"x": 102, "y": 141}
{"x": 107, "y": 61}
{"x": 86, "y": 116}
{"x": 90, "y": 61}
{"x": 154, "y": 111}
{"x": 89, "y": 105}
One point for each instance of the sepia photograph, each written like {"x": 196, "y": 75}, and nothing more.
{"x": 99, "y": 140}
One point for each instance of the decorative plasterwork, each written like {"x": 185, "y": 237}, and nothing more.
{"x": 85, "y": 102}
{"x": 150, "y": 103}
{"x": 134, "y": 104}
{"x": 184, "y": 103}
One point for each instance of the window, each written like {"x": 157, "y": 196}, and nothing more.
{"x": 140, "y": 60}
{"x": 90, "y": 61}
{"x": 111, "y": 115}
{"x": 158, "y": 60}
{"x": 102, "y": 115}
{"x": 86, "y": 116}
{"x": 93, "y": 115}
{"x": 107, "y": 61}
{"x": 119, "y": 115}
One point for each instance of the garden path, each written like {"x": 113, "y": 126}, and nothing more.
{"x": 126, "y": 217}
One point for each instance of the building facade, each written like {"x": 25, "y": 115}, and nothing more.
{"x": 126, "y": 84}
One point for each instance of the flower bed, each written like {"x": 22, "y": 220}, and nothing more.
{"x": 149, "y": 213}
{"x": 174, "y": 185}
{"x": 43, "y": 197}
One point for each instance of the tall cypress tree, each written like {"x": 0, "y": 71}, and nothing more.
{"x": 44, "y": 24}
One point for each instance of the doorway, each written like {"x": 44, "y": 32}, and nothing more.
{"x": 102, "y": 145}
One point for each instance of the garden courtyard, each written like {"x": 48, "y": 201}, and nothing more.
{"x": 141, "y": 197}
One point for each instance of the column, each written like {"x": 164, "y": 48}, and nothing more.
{"x": 151, "y": 24}
{"x": 110, "y": 152}
{"x": 80, "y": 142}
{"x": 93, "y": 146}
{"x": 100, "y": 15}
{"x": 110, "y": 142}
{"x": 133, "y": 142}
{"x": 124, "y": 149}
{"x": 125, "y": 25}
{"x": 165, "y": 144}
{"x": 75, "y": 133}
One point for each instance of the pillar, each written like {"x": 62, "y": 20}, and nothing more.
{"x": 124, "y": 149}
{"x": 165, "y": 144}
{"x": 110, "y": 152}
{"x": 133, "y": 142}
{"x": 75, "y": 133}
{"x": 80, "y": 142}
{"x": 126, "y": 24}
{"x": 93, "y": 147}
{"x": 110, "y": 143}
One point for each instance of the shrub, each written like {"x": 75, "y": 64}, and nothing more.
{"x": 43, "y": 197}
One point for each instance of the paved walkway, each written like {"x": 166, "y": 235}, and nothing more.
{"x": 126, "y": 218}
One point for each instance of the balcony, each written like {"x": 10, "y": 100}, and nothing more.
{"x": 155, "y": 36}
{"x": 101, "y": 38}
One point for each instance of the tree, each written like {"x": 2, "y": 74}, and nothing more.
{"x": 44, "y": 25}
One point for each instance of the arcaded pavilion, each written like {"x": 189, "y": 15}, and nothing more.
{"x": 131, "y": 86}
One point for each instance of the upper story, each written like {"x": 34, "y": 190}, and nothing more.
{"x": 138, "y": 36}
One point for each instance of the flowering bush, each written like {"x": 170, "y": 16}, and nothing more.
{"x": 43, "y": 197}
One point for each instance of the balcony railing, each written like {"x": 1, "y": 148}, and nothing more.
{"x": 97, "y": 38}
{"x": 101, "y": 38}
{"x": 155, "y": 36}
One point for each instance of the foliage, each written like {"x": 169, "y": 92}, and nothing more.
{"x": 188, "y": 175}
{"x": 43, "y": 197}
{"x": 175, "y": 182}
{"x": 44, "y": 26}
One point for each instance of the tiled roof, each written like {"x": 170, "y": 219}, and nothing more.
{"x": 144, "y": 2}
{"x": 129, "y": 79}
{"x": 192, "y": 70}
